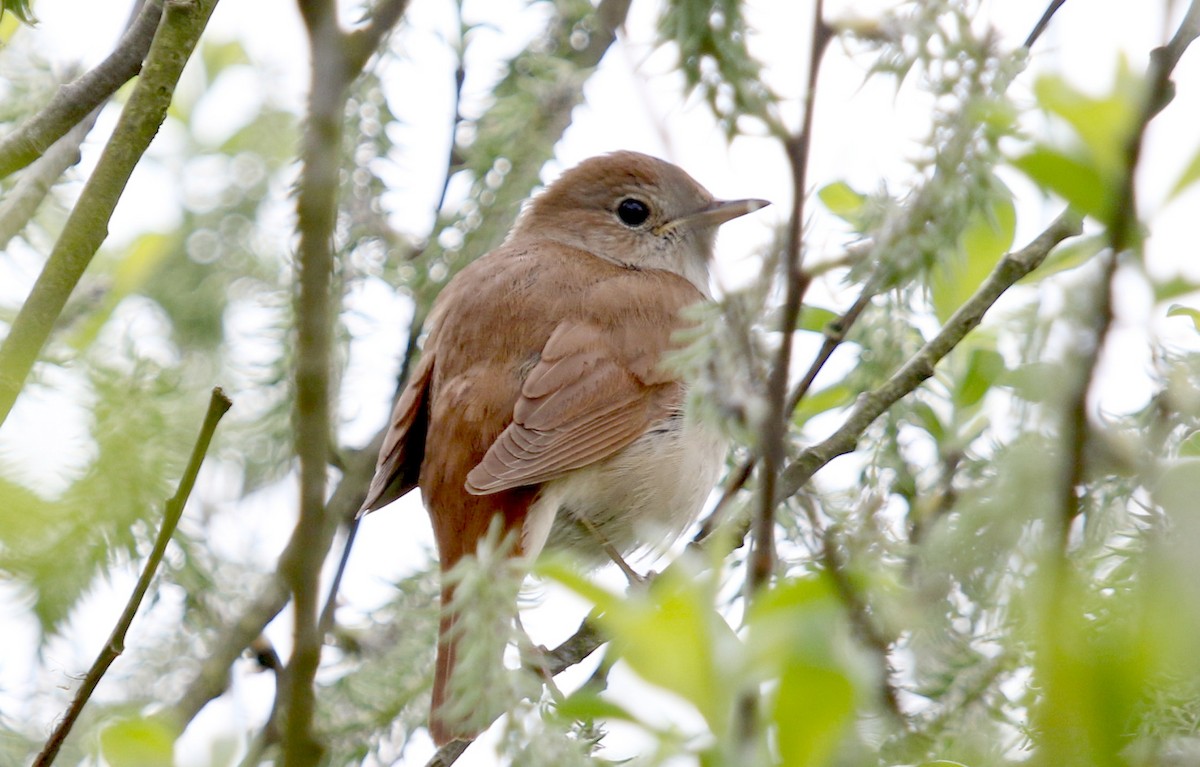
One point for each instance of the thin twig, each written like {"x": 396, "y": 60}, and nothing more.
{"x": 871, "y": 405}
{"x": 77, "y": 99}
{"x": 213, "y": 676}
{"x": 411, "y": 346}
{"x": 835, "y": 334}
{"x": 362, "y": 43}
{"x": 733, "y": 484}
{"x": 1122, "y": 227}
{"x": 325, "y": 622}
{"x": 26, "y": 196}
{"x": 87, "y": 225}
{"x": 1043, "y": 22}
{"x": 858, "y": 613}
{"x": 772, "y": 448}
{"x": 218, "y": 405}
{"x": 336, "y": 59}
{"x": 212, "y": 679}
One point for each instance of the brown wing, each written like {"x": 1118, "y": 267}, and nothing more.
{"x": 591, "y": 394}
{"x": 404, "y": 445}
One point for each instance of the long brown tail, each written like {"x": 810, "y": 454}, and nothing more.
{"x": 458, "y": 536}
{"x": 442, "y": 728}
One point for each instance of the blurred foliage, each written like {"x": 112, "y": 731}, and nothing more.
{"x": 381, "y": 692}
{"x": 1001, "y": 647}
{"x": 712, "y": 40}
{"x": 18, "y": 8}
{"x": 1088, "y": 173}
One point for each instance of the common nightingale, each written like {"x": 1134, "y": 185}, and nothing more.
{"x": 540, "y": 400}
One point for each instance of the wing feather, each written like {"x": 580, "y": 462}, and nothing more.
{"x": 399, "y": 466}
{"x": 579, "y": 404}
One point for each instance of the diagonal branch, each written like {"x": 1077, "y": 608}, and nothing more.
{"x": 835, "y": 334}
{"x": 1043, "y": 22}
{"x": 76, "y": 99}
{"x": 87, "y": 225}
{"x": 212, "y": 678}
{"x": 218, "y": 405}
{"x": 920, "y": 367}
{"x": 34, "y": 184}
{"x": 362, "y": 43}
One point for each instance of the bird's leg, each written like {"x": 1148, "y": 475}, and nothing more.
{"x": 632, "y": 575}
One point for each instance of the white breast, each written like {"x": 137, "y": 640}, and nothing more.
{"x": 643, "y": 496}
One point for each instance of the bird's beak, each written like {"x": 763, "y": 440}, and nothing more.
{"x": 712, "y": 215}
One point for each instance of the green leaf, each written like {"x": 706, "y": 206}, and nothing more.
{"x": 986, "y": 238}
{"x": 1103, "y": 123}
{"x": 670, "y": 634}
{"x": 823, "y": 400}
{"x": 1073, "y": 253}
{"x": 669, "y": 637}
{"x": 791, "y": 631}
{"x": 20, "y": 9}
{"x": 139, "y": 742}
{"x": 1190, "y": 175}
{"x": 586, "y": 704}
{"x": 1088, "y": 172}
{"x": 1190, "y": 447}
{"x": 1174, "y": 288}
{"x": 219, "y": 56}
{"x": 1035, "y": 381}
{"x": 1077, "y": 181}
{"x": 1179, "y": 310}
{"x": 843, "y": 202}
{"x": 815, "y": 318}
{"x": 561, "y": 569}
{"x": 929, "y": 420}
{"x": 793, "y": 618}
{"x": 273, "y": 135}
{"x": 813, "y": 708}
{"x": 984, "y": 368}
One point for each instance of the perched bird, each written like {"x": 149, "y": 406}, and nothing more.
{"x": 540, "y": 399}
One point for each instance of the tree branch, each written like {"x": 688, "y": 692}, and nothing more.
{"x": 182, "y": 23}
{"x": 913, "y": 373}
{"x": 218, "y": 405}
{"x": 336, "y": 61}
{"x": 362, "y": 43}
{"x": 835, "y": 334}
{"x": 775, "y": 423}
{"x": 35, "y": 183}
{"x": 314, "y": 314}
{"x": 213, "y": 677}
{"x": 1122, "y": 227}
{"x": 76, "y": 99}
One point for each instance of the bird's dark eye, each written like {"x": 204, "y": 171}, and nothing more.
{"x": 632, "y": 212}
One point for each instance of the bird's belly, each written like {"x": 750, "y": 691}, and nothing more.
{"x": 643, "y": 496}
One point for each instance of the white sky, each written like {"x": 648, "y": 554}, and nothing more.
{"x": 864, "y": 133}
